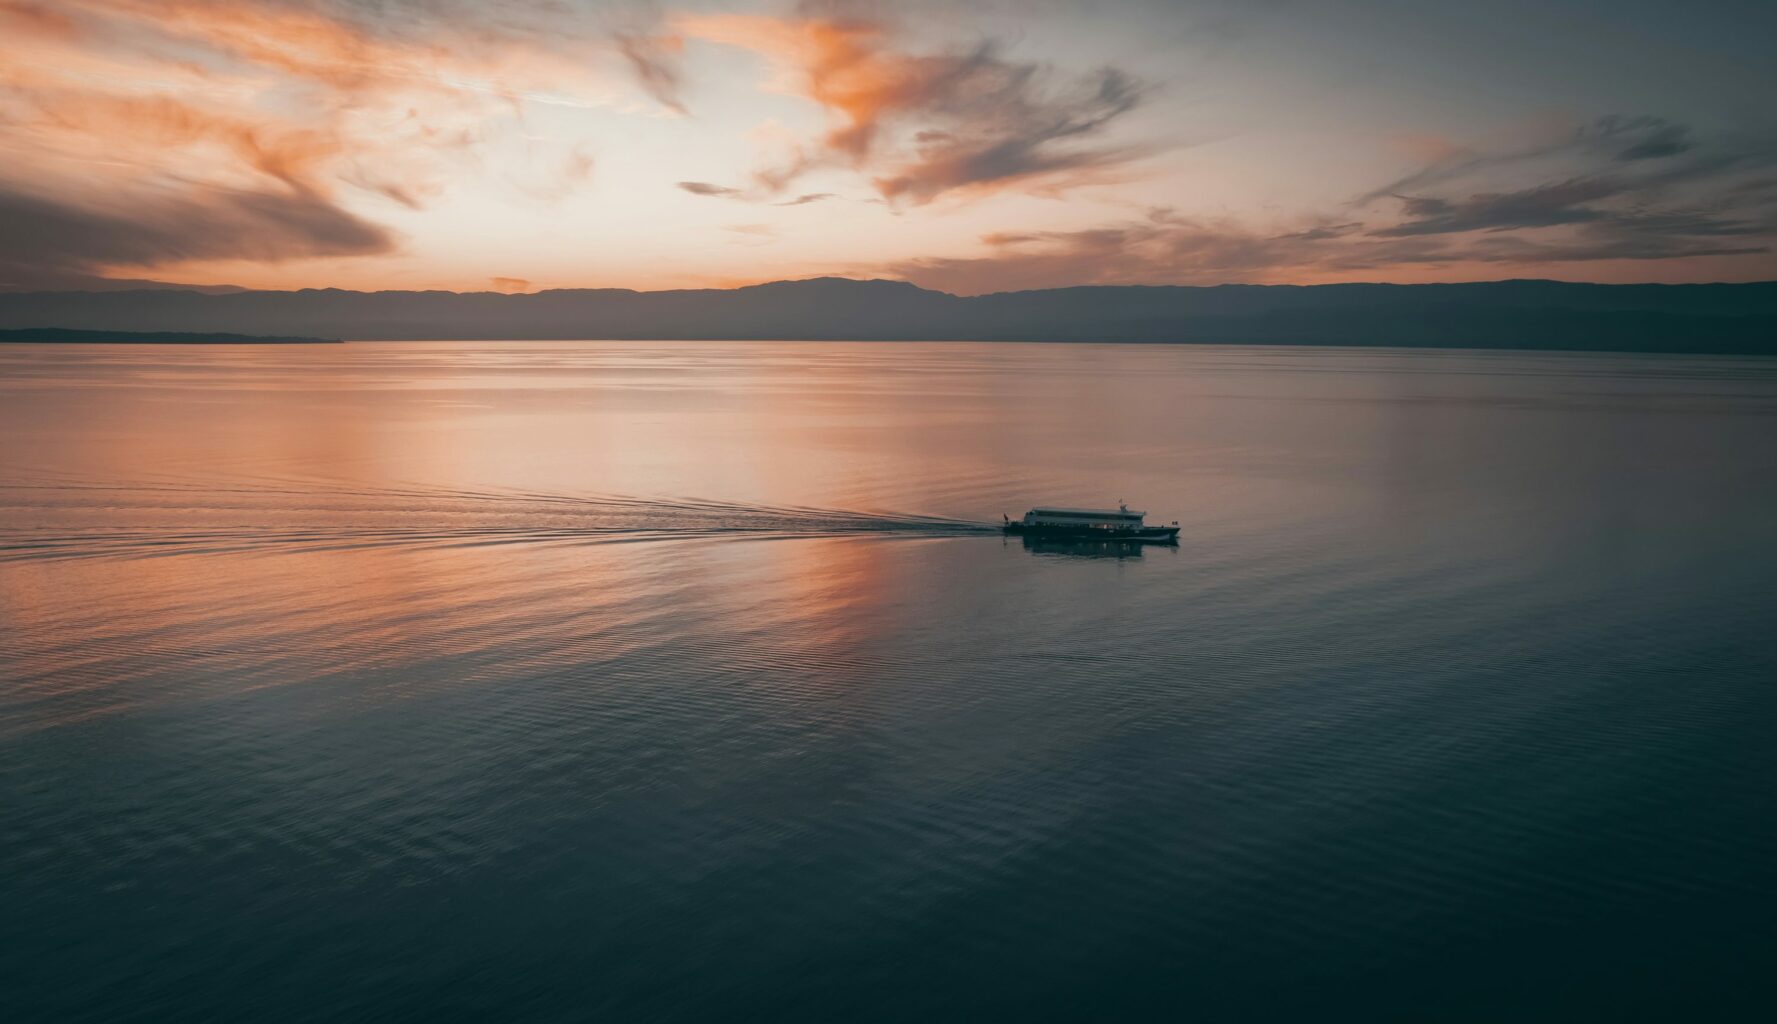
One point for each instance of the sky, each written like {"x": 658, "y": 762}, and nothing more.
{"x": 519, "y": 145}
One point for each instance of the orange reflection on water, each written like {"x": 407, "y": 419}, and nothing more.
{"x": 347, "y": 510}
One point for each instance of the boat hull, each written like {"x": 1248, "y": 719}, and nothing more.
{"x": 1137, "y": 535}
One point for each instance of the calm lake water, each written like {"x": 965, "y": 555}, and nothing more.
{"x": 689, "y": 681}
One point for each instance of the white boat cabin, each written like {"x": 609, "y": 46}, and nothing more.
{"x": 1119, "y": 518}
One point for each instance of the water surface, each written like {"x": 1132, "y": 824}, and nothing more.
{"x": 690, "y": 681}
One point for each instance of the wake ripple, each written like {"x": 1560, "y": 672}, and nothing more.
{"x": 73, "y": 520}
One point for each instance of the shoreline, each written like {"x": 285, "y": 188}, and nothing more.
{"x": 66, "y": 336}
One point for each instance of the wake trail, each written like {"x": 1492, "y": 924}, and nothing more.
{"x": 64, "y": 519}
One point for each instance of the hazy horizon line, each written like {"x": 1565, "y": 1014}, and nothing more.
{"x": 225, "y": 289}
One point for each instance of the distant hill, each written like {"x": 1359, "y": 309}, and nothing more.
{"x": 59, "y": 336}
{"x": 1712, "y": 318}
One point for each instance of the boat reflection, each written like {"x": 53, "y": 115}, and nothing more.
{"x": 1119, "y": 549}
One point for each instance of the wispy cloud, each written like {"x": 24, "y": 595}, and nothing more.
{"x": 714, "y": 191}
{"x": 1163, "y": 248}
{"x": 654, "y": 59}
{"x": 282, "y": 123}
{"x": 705, "y": 188}
{"x": 50, "y": 242}
{"x": 921, "y": 126}
{"x": 1626, "y": 189}
{"x": 1602, "y": 146}
{"x": 1542, "y": 206}
{"x": 1617, "y": 188}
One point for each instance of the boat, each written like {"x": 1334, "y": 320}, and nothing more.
{"x": 1120, "y": 524}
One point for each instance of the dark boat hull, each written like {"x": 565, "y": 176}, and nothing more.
{"x": 1139, "y": 535}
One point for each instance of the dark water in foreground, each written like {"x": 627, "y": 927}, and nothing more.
{"x": 680, "y": 682}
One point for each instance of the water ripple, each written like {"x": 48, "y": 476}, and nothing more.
{"x": 261, "y": 519}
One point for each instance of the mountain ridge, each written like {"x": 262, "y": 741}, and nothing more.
{"x": 1520, "y": 313}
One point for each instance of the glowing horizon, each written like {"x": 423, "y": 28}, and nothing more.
{"x": 524, "y": 145}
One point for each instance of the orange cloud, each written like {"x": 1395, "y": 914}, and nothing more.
{"x": 927, "y": 125}
{"x": 143, "y": 126}
{"x": 295, "y": 118}
{"x": 843, "y": 66}
{"x": 37, "y": 19}
{"x": 347, "y": 48}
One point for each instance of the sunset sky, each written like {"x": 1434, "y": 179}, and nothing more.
{"x": 970, "y": 147}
